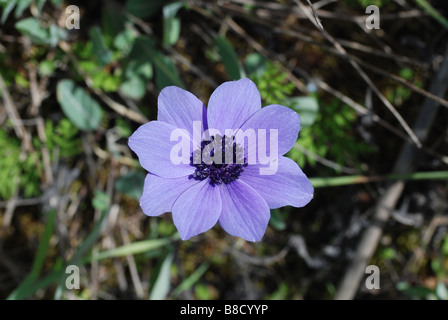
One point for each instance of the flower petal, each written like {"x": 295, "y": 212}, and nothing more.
{"x": 151, "y": 142}
{"x": 231, "y": 104}
{"x": 197, "y": 209}
{"x": 159, "y": 194}
{"x": 288, "y": 186}
{"x": 180, "y": 108}
{"x": 245, "y": 213}
{"x": 273, "y": 117}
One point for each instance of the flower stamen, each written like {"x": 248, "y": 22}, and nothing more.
{"x": 220, "y": 159}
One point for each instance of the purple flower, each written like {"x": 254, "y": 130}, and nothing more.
{"x": 226, "y": 176}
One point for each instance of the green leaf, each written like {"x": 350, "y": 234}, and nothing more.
{"x": 40, "y": 4}
{"x": 414, "y": 292}
{"x": 438, "y": 267}
{"x": 162, "y": 283}
{"x": 255, "y": 64}
{"x": 444, "y": 247}
{"x": 388, "y": 253}
{"x": 137, "y": 69}
{"x": 31, "y": 27}
{"x": 166, "y": 73}
{"x": 101, "y": 201}
{"x": 113, "y": 20}
{"x": 171, "y": 24}
{"x": 228, "y": 58}
{"x": 56, "y": 34}
{"x": 7, "y": 8}
{"x": 202, "y": 292}
{"x": 306, "y": 107}
{"x": 277, "y": 220}
{"x": 101, "y": 53}
{"x": 165, "y": 69}
{"x": 281, "y": 293}
{"x": 46, "y": 67}
{"x": 406, "y": 73}
{"x": 143, "y": 9}
{"x": 82, "y": 110}
{"x": 21, "y": 6}
{"x": 441, "y": 291}
{"x": 124, "y": 40}
{"x": 134, "y": 88}
{"x": 131, "y": 184}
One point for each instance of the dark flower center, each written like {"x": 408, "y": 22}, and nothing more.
{"x": 221, "y": 159}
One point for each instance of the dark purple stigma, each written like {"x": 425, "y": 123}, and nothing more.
{"x": 219, "y": 159}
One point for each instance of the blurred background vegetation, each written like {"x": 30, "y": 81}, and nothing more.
{"x": 70, "y": 185}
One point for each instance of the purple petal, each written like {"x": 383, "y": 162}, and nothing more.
{"x": 180, "y": 108}
{"x": 197, "y": 209}
{"x": 245, "y": 213}
{"x": 231, "y": 104}
{"x": 151, "y": 142}
{"x": 273, "y": 117}
{"x": 288, "y": 186}
{"x": 159, "y": 194}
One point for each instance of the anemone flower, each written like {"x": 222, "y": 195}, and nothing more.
{"x": 224, "y": 163}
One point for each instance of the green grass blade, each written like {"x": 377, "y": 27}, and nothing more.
{"x": 228, "y": 57}
{"x": 191, "y": 280}
{"x": 44, "y": 244}
{"x": 319, "y": 182}
{"x": 25, "y": 289}
{"x": 162, "y": 283}
{"x": 131, "y": 249}
{"x": 425, "y": 5}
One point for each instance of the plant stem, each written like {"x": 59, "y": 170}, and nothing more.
{"x": 347, "y": 180}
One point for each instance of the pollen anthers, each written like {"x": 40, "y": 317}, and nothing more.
{"x": 220, "y": 159}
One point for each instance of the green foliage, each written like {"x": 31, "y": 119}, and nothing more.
{"x": 102, "y": 76}
{"x": 123, "y": 58}
{"x": 65, "y": 136}
{"x": 18, "y": 6}
{"x": 228, "y": 57}
{"x": 38, "y": 34}
{"x": 366, "y": 3}
{"x": 306, "y": 107}
{"x": 438, "y": 264}
{"x": 131, "y": 184}
{"x": 436, "y": 15}
{"x": 100, "y": 51}
{"x": 23, "y": 172}
{"x": 272, "y": 83}
{"x": 17, "y": 172}
{"x": 161, "y": 283}
{"x": 101, "y": 201}
{"x": 79, "y": 106}
{"x": 327, "y": 131}
{"x": 144, "y": 9}
{"x": 130, "y": 60}
{"x": 171, "y": 24}
{"x": 332, "y": 136}
{"x": 138, "y": 71}
{"x": 399, "y": 94}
